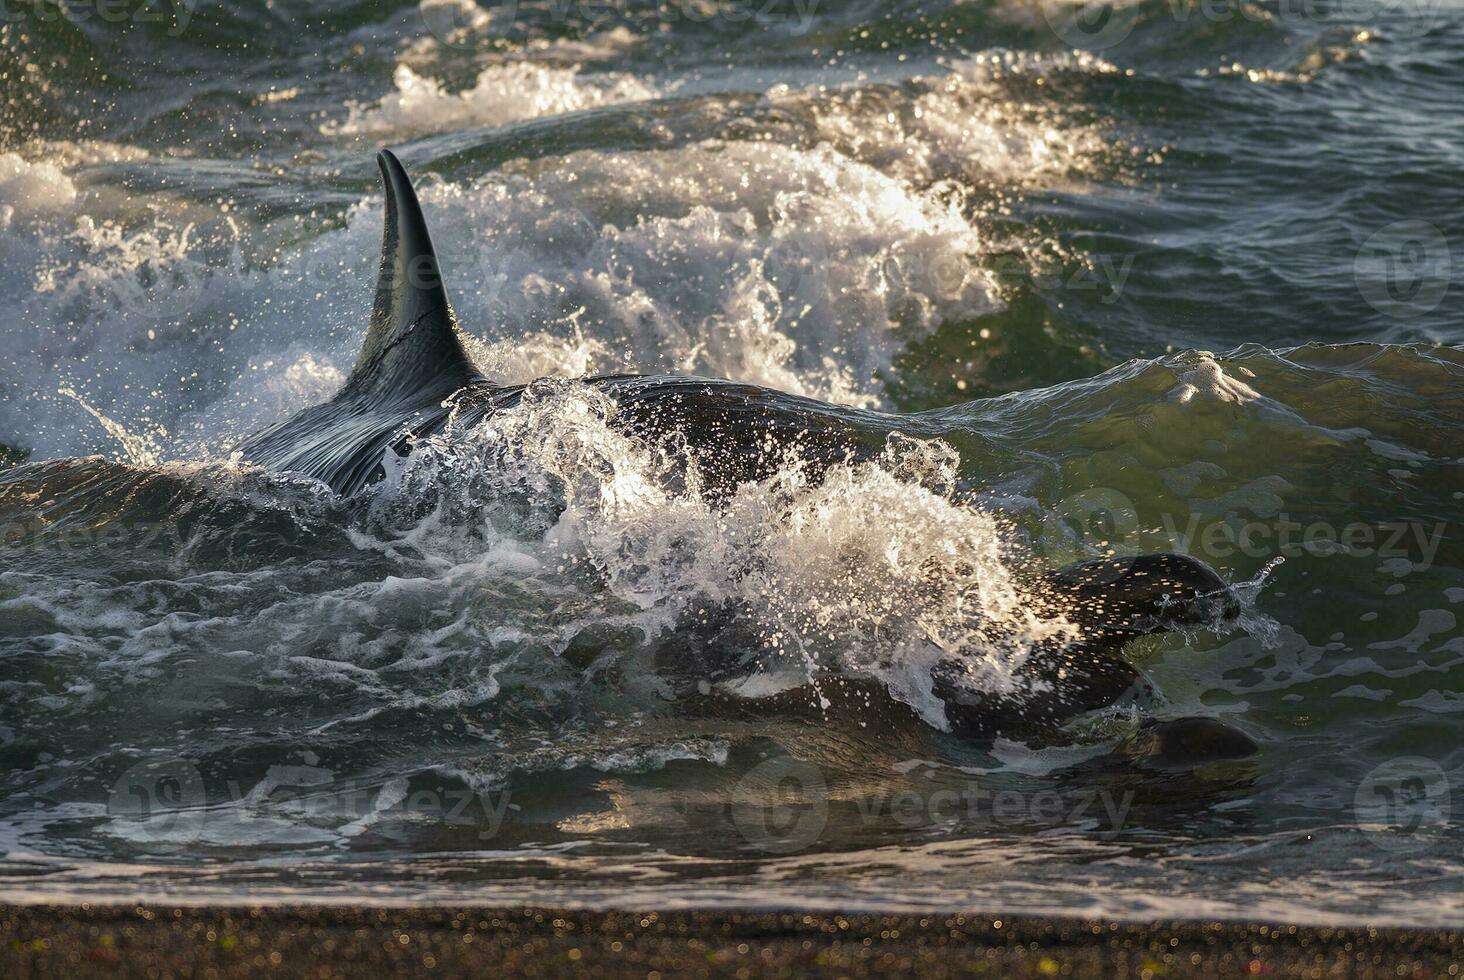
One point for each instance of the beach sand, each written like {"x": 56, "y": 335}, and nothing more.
{"x": 160, "y": 941}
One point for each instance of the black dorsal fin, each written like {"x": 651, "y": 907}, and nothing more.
{"x": 412, "y": 348}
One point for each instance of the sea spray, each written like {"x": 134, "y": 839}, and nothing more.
{"x": 867, "y": 569}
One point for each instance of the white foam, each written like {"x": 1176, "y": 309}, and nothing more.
{"x": 965, "y": 123}
{"x": 502, "y": 94}
{"x": 712, "y": 258}
{"x": 1437, "y": 702}
{"x": 31, "y": 188}
{"x": 1364, "y": 692}
{"x": 865, "y": 572}
{"x": 760, "y": 262}
{"x": 1206, "y": 379}
{"x": 1431, "y": 622}
{"x": 1040, "y": 761}
{"x": 805, "y": 266}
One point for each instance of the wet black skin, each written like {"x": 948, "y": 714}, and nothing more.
{"x": 1110, "y": 601}
{"x": 413, "y": 374}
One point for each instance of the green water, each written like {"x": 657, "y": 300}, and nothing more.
{"x": 219, "y": 683}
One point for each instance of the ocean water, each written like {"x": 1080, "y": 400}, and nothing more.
{"x": 1154, "y": 275}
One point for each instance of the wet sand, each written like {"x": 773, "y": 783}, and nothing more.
{"x": 159, "y": 941}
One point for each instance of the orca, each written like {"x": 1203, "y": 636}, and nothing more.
{"x": 414, "y": 373}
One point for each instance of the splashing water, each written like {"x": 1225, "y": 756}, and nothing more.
{"x": 550, "y": 661}
{"x": 868, "y": 569}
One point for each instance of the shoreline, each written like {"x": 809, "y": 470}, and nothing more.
{"x": 227, "y": 941}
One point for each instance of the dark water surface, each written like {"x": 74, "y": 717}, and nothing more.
{"x": 1029, "y": 222}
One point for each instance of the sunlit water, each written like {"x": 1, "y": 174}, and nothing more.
{"x": 503, "y": 675}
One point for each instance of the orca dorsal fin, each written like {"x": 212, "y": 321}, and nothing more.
{"x": 412, "y": 348}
